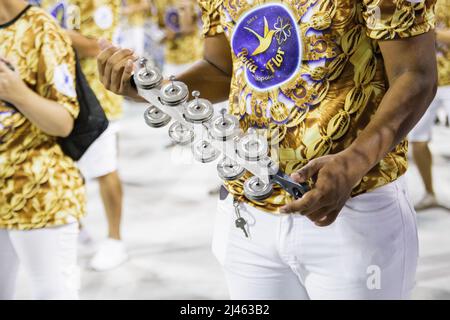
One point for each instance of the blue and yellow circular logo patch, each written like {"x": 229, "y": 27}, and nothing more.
{"x": 266, "y": 40}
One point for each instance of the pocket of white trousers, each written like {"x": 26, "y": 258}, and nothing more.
{"x": 222, "y": 228}
{"x": 374, "y": 201}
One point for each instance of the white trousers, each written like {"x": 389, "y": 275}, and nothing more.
{"x": 49, "y": 257}
{"x": 369, "y": 252}
{"x": 102, "y": 156}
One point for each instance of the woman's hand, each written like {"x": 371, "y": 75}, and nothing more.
{"x": 12, "y": 86}
{"x": 336, "y": 176}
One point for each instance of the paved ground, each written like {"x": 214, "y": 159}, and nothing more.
{"x": 168, "y": 218}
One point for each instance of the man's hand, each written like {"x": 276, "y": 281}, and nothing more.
{"x": 11, "y": 84}
{"x": 335, "y": 176}
{"x": 115, "y": 68}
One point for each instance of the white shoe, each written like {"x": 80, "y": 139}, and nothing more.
{"x": 111, "y": 254}
{"x": 427, "y": 202}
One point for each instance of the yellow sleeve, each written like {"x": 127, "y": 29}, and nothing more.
{"x": 160, "y": 12}
{"x": 211, "y": 17}
{"x": 98, "y": 19}
{"x": 56, "y": 67}
{"x": 394, "y": 19}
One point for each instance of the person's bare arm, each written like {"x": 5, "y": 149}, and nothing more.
{"x": 85, "y": 47}
{"x": 143, "y": 5}
{"x": 443, "y": 36}
{"x": 211, "y": 75}
{"x": 47, "y": 115}
{"x": 412, "y": 74}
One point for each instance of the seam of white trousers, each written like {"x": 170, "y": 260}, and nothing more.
{"x": 399, "y": 189}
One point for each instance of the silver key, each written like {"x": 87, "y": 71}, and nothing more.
{"x": 240, "y": 222}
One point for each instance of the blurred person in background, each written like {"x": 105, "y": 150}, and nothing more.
{"x": 421, "y": 135}
{"x": 87, "y": 21}
{"x": 183, "y": 42}
{"x": 41, "y": 189}
{"x": 133, "y": 18}
{"x": 337, "y": 85}
{"x": 154, "y": 37}
{"x": 181, "y": 37}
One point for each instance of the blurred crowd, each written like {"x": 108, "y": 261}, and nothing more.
{"x": 46, "y": 196}
{"x": 166, "y": 32}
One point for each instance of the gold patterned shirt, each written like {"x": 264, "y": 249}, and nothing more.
{"x": 443, "y": 50}
{"x": 39, "y": 185}
{"x": 99, "y": 19}
{"x": 309, "y": 74}
{"x": 136, "y": 19}
{"x": 183, "y": 49}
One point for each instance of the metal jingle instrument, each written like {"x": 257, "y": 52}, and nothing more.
{"x": 229, "y": 170}
{"x": 255, "y": 189}
{"x": 276, "y": 176}
{"x": 147, "y": 77}
{"x": 174, "y": 93}
{"x": 204, "y": 152}
{"x": 181, "y": 134}
{"x": 252, "y": 147}
{"x": 224, "y": 127}
{"x": 198, "y": 110}
{"x": 155, "y": 118}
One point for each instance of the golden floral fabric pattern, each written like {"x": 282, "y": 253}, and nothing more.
{"x": 211, "y": 17}
{"x": 443, "y": 50}
{"x": 183, "y": 49}
{"x": 99, "y": 19}
{"x": 39, "y": 185}
{"x": 309, "y": 75}
{"x": 137, "y": 18}
{"x": 391, "y": 19}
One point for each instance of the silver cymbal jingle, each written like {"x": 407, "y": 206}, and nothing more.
{"x": 203, "y": 151}
{"x": 252, "y": 147}
{"x": 181, "y": 134}
{"x": 224, "y": 127}
{"x": 174, "y": 93}
{"x": 270, "y": 164}
{"x": 147, "y": 77}
{"x": 155, "y": 118}
{"x": 198, "y": 110}
{"x": 229, "y": 170}
{"x": 257, "y": 190}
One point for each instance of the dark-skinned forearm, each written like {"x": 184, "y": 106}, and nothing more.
{"x": 401, "y": 108}
{"x": 212, "y": 83}
{"x": 212, "y": 75}
{"x": 85, "y": 47}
